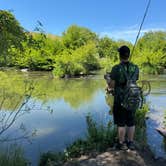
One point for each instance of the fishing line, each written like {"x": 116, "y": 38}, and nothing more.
{"x": 145, "y": 14}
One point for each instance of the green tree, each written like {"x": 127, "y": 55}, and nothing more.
{"x": 76, "y": 36}
{"x": 11, "y": 35}
{"x": 39, "y": 52}
{"x": 75, "y": 62}
{"x": 153, "y": 41}
{"x": 107, "y": 48}
{"x": 151, "y": 49}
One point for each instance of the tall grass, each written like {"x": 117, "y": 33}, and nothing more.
{"x": 140, "y": 130}
{"x": 12, "y": 156}
{"x": 99, "y": 138}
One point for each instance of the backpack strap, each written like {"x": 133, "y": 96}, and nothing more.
{"x": 133, "y": 77}
{"x": 127, "y": 75}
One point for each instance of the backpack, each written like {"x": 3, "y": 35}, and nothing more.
{"x": 132, "y": 93}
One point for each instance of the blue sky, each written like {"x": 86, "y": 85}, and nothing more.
{"x": 118, "y": 19}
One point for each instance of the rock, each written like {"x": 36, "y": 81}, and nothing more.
{"x": 118, "y": 158}
{"x": 24, "y": 70}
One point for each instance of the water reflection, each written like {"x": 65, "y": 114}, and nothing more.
{"x": 60, "y": 107}
{"x": 75, "y": 92}
{"x": 157, "y": 100}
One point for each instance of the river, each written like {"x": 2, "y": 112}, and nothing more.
{"x": 57, "y": 110}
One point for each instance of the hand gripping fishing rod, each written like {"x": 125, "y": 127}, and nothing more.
{"x": 145, "y": 14}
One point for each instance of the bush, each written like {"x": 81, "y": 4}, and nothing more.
{"x": 76, "y": 62}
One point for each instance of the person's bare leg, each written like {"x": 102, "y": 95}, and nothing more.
{"x": 130, "y": 133}
{"x": 121, "y": 134}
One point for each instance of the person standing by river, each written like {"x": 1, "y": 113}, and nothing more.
{"x": 123, "y": 118}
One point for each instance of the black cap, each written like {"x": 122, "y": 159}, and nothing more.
{"x": 124, "y": 49}
{"x": 124, "y": 52}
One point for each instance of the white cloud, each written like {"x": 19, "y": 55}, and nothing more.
{"x": 128, "y": 33}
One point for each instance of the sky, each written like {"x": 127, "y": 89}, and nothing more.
{"x": 117, "y": 19}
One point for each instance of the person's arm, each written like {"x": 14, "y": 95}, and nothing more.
{"x": 110, "y": 86}
{"x": 111, "y": 81}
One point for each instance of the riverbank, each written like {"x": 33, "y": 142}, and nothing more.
{"x": 100, "y": 141}
{"x": 112, "y": 157}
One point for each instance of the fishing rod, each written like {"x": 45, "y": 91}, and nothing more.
{"x": 145, "y": 84}
{"x": 145, "y": 14}
{"x": 146, "y": 87}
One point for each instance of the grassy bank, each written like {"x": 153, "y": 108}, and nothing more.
{"x": 99, "y": 138}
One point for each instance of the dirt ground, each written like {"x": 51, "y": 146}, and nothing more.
{"x": 113, "y": 157}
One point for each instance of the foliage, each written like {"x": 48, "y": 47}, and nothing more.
{"x": 39, "y": 51}
{"x": 106, "y": 64}
{"x": 77, "y": 52}
{"x": 50, "y": 158}
{"x": 76, "y": 62}
{"x": 151, "y": 52}
{"x": 11, "y": 35}
{"x": 99, "y": 138}
{"x": 100, "y": 135}
{"x": 75, "y": 37}
{"x": 140, "y": 117}
{"x": 108, "y": 48}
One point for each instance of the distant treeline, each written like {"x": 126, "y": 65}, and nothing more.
{"x": 77, "y": 52}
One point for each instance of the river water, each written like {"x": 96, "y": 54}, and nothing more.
{"x": 57, "y": 110}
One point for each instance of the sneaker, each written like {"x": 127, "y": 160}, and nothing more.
{"x": 122, "y": 146}
{"x": 131, "y": 145}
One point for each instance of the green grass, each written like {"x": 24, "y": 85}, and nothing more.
{"x": 140, "y": 130}
{"x": 12, "y": 156}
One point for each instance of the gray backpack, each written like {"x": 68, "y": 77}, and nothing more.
{"x": 132, "y": 93}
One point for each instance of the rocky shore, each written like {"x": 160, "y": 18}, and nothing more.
{"x": 113, "y": 157}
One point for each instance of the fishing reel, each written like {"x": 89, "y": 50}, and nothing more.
{"x": 107, "y": 77}
{"x": 145, "y": 87}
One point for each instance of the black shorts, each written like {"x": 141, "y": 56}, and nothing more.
{"x": 123, "y": 117}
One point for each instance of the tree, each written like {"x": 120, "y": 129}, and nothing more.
{"x": 11, "y": 35}
{"x": 107, "y": 48}
{"x": 153, "y": 41}
{"x": 152, "y": 50}
{"x": 74, "y": 62}
{"x": 76, "y": 36}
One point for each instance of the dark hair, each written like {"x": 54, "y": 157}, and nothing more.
{"x": 124, "y": 52}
